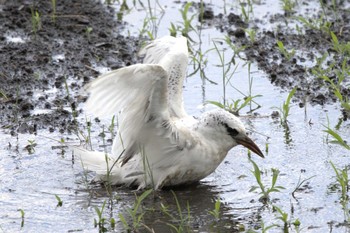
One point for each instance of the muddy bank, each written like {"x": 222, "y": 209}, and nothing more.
{"x": 306, "y": 39}
{"x": 37, "y": 61}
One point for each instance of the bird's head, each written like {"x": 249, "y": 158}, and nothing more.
{"x": 228, "y": 129}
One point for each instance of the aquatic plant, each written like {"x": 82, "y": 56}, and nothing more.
{"x": 59, "y": 201}
{"x": 216, "y": 211}
{"x": 251, "y": 34}
{"x": 287, "y": 54}
{"x": 182, "y": 220}
{"x": 3, "y": 95}
{"x": 283, "y": 216}
{"x": 136, "y": 213}
{"x": 36, "y": 21}
{"x": 319, "y": 24}
{"x": 265, "y": 191}
{"x": 264, "y": 229}
{"x": 247, "y": 11}
{"x": 340, "y": 48}
{"x": 285, "y": 109}
{"x": 343, "y": 181}
{"x": 288, "y": 6}
{"x": 100, "y": 221}
{"x": 53, "y": 15}
{"x": 22, "y": 217}
{"x": 31, "y": 146}
{"x": 337, "y": 138}
{"x": 88, "y": 31}
{"x": 227, "y": 73}
{"x": 187, "y": 20}
{"x": 300, "y": 183}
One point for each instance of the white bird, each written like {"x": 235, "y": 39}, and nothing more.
{"x": 159, "y": 144}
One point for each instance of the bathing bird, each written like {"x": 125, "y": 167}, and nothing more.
{"x": 158, "y": 143}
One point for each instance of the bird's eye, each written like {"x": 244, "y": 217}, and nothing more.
{"x": 231, "y": 131}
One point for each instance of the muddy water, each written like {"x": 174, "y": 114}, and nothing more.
{"x": 30, "y": 179}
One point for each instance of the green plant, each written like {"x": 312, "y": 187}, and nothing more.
{"x": 299, "y": 184}
{"x": 36, "y": 21}
{"x": 216, "y": 211}
{"x": 3, "y": 95}
{"x": 251, "y": 34}
{"x": 265, "y": 191}
{"x": 283, "y": 216}
{"x": 53, "y": 16}
{"x": 246, "y": 12}
{"x": 287, "y": 54}
{"x": 22, "y": 217}
{"x": 136, "y": 213}
{"x": 264, "y": 229}
{"x": 319, "y": 24}
{"x": 288, "y": 5}
{"x": 59, "y": 201}
{"x": 187, "y": 21}
{"x": 111, "y": 127}
{"x": 88, "y": 31}
{"x": 337, "y": 138}
{"x": 227, "y": 73}
{"x": 343, "y": 181}
{"x": 31, "y": 146}
{"x": 341, "y": 48}
{"x": 285, "y": 109}
{"x": 101, "y": 221}
{"x": 183, "y": 221}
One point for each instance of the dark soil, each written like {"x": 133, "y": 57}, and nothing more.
{"x": 29, "y": 73}
{"x": 309, "y": 47}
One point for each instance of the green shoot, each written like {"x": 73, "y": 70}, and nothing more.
{"x": 135, "y": 213}
{"x": 31, "y": 146}
{"x": 53, "y": 16}
{"x": 100, "y": 222}
{"x": 288, "y": 5}
{"x": 265, "y": 191}
{"x": 299, "y": 184}
{"x": 183, "y": 225}
{"x": 36, "y": 21}
{"x": 251, "y": 34}
{"x": 343, "y": 181}
{"x": 285, "y": 110}
{"x": 88, "y": 31}
{"x": 287, "y": 54}
{"x": 216, "y": 211}
{"x": 337, "y": 138}
{"x": 22, "y": 217}
{"x": 59, "y": 201}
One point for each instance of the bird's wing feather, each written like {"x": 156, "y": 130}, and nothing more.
{"x": 133, "y": 89}
{"x": 172, "y": 54}
{"x": 139, "y": 92}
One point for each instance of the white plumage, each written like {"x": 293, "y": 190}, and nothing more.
{"x": 160, "y": 145}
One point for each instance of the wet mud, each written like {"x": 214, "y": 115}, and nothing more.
{"x": 66, "y": 49}
{"x": 309, "y": 45}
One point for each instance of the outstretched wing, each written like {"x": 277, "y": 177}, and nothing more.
{"x": 140, "y": 93}
{"x": 139, "y": 90}
{"x": 172, "y": 54}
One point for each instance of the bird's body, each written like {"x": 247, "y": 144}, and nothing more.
{"x": 158, "y": 144}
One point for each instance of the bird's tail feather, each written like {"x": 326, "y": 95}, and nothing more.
{"x": 94, "y": 160}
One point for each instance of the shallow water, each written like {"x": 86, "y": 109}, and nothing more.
{"x": 30, "y": 181}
